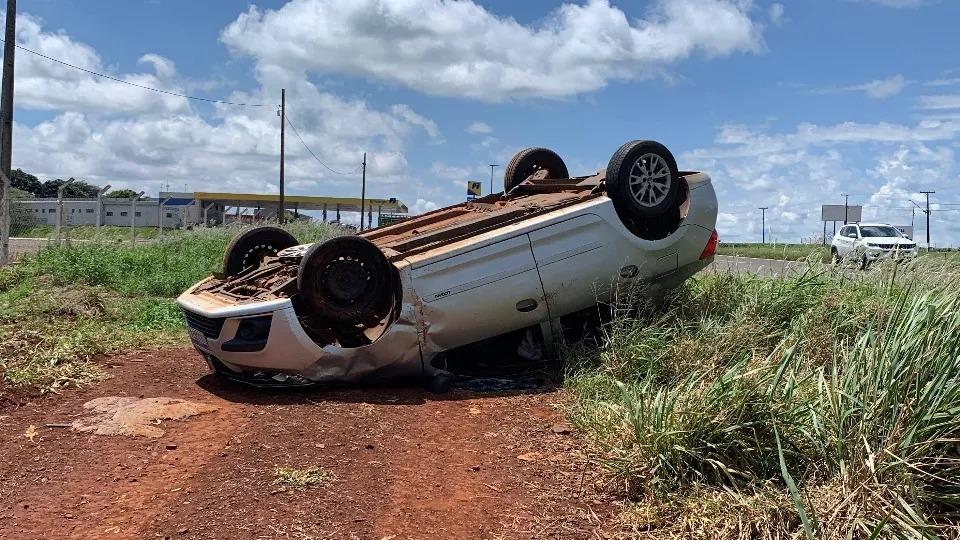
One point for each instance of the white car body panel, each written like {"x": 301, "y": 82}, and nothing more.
{"x": 871, "y": 247}
{"x": 563, "y": 261}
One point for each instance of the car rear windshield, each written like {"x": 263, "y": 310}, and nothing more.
{"x": 873, "y": 231}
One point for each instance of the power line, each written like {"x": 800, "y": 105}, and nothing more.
{"x": 115, "y": 79}
{"x": 320, "y": 161}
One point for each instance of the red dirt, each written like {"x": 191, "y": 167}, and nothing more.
{"x": 405, "y": 464}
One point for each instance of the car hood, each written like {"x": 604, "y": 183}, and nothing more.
{"x": 890, "y": 241}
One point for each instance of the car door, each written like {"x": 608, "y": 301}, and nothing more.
{"x": 479, "y": 294}
{"x": 579, "y": 260}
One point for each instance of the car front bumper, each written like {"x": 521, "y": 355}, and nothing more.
{"x": 874, "y": 254}
{"x": 285, "y": 354}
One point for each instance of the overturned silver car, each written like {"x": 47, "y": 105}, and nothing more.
{"x": 393, "y": 300}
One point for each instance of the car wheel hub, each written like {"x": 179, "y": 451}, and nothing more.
{"x": 346, "y": 279}
{"x": 650, "y": 180}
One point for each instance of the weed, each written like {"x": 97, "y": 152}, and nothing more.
{"x": 301, "y": 478}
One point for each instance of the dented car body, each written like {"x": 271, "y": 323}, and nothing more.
{"x": 545, "y": 248}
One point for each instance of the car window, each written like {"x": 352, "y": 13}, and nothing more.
{"x": 873, "y": 231}
{"x": 844, "y": 231}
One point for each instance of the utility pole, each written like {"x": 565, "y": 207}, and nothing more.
{"x": 846, "y": 206}
{"x": 763, "y": 224}
{"x": 6, "y": 129}
{"x": 60, "y": 191}
{"x": 492, "y": 166}
{"x": 100, "y": 193}
{"x": 927, "y": 212}
{"x": 283, "y": 120}
{"x": 363, "y": 192}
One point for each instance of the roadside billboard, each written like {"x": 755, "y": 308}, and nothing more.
{"x": 836, "y": 212}
{"x": 474, "y": 189}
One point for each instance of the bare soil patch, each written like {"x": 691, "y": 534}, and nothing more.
{"x": 402, "y": 463}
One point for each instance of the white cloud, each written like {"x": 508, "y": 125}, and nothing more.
{"x": 479, "y": 128}
{"x": 899, "y": 3}
{"x": 458, "y": 48}
{"x": 46, "y": 85}
{"x": 776, "y": 13}
{"x": 423, "y": 206}
{"x": 943, "y": 82}
{"x": 943, "y": 102}
{"x": 795, "y": 172}
{"x": 876, "y": 89}
{"x": 138, "y": 138}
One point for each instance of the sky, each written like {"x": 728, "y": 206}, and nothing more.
{"x": 787, "y": 105}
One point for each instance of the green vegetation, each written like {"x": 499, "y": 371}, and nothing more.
{"x": 62, "y": 307}
{"x": 302, "y": 478}
{"x": 817, "y": 406}
{"x": 106, "y": 233}
{"x": 786, "y": 252}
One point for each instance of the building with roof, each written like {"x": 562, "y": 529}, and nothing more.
{"x": 182, "y": 209}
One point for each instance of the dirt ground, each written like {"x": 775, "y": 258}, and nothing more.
{"x": 404, "y": 463}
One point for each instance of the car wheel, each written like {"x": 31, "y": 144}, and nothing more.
{"x": 642, "y": 179}
{"x": 834, "y": 256}
{"x": 346, "y": 280}
{"x": 864, "y": 262}
{"x": 248, "y": 249}
{"x": 530, "y": 161}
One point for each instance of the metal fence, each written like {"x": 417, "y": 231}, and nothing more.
{"x": 28, "y": 224}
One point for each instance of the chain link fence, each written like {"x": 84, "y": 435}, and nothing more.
{"x": 31, "y": 224}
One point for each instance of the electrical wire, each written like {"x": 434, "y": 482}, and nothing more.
{"x": 320, "y": 161}
{"x": 105, "y": 76}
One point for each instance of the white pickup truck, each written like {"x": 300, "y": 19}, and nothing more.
{"x": 389, "y": 301}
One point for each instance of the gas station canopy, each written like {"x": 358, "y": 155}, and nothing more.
{"x": 302, "y": 202}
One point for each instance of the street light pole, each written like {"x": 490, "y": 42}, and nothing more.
{"x": 363, "y": 191}
{"x": 846, "y": 206}
{"x": 763, "y": 224}
{"x": 492, "y": 166}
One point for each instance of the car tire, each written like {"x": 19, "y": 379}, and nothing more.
{"x": 249, "y": 248}
{"x": 835, "y": 258}
{"x": 864, "y": 262}
{"x": 529, "y": 161}
{"x": 346, "y": 280}
{"x": 643, "y": 180}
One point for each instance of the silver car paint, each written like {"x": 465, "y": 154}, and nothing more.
{"x": 470, "y": 290}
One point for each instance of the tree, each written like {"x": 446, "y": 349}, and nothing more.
{"x": 25, "y": 181}
{"x": 121, "y": 194}
{"x": 77, "y": 190}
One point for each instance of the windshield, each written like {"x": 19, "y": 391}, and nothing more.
{"x": 873, "y": 231}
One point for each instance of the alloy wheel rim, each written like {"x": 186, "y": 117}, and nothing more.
{"x": 650, "y": 180}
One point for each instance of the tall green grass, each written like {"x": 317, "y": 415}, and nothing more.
{"x": 825, "y": 405}
{"x": 62, "y": 307}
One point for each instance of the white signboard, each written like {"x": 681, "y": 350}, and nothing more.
{"x": 836, "y": 212}
{"x": 907, "y": 230}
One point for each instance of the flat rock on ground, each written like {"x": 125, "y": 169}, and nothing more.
{"x": 402, "y": 463}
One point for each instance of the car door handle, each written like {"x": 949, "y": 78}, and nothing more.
{"x": 524, "y": 306}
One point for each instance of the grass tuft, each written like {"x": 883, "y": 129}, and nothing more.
{"x": 301, "y": 478}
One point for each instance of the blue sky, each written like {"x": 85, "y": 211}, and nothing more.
{"x": 786, "y": 105}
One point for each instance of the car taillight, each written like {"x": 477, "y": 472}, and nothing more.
{"x": 711, "y": 247}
